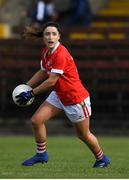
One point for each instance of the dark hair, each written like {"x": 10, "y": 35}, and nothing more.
{"x": 32, "y": 32}
{"x": 53, "y": 24}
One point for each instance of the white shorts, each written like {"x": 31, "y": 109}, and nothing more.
{"x": 75, "y": 113}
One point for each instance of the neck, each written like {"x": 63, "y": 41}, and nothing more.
{"x": 51, "y": 50}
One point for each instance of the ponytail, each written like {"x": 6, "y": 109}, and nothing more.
{"x": 32, "y": 32}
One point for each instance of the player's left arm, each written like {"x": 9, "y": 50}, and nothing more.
{"x": 57, "y": 70}
{"x": 47, "y": 84}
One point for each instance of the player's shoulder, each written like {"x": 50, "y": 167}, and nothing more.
{"x": 62, "y": 50}
{"x": 43, "y": 50}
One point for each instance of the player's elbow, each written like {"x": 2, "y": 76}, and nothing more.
{"x": 51, "y": 83}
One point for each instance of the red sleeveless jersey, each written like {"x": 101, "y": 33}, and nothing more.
{"x": 68, "y": 87}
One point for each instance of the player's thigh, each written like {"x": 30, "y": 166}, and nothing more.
{"x": 45, "y": 112}
{"x": 82, "y": 128}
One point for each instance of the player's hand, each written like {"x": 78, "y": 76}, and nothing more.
{"x": 24, "y": 97}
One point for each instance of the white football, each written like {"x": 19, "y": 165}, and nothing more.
{"x": 19, "y": 89}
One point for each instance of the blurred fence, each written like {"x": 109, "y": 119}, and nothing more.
{"x": 102, "y": 57}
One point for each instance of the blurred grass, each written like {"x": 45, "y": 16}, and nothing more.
{"x": 68, "y": 158}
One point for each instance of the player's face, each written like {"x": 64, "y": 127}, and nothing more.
{"x": 51, "y": 36}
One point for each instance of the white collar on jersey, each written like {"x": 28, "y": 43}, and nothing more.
{"x": 56, "y": 46}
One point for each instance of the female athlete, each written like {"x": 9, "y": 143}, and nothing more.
{"x": 59, "y": 73}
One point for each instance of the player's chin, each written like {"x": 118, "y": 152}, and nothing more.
{"x": 51, "y": 46}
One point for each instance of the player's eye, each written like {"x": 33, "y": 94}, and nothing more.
{"x": 54, "y": 33}
{"x": 47, "y": 34}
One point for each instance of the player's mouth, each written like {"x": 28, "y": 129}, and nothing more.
{"x": 50, "y": 43}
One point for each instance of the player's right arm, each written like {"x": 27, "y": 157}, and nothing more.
{"x": 37, "y": 78}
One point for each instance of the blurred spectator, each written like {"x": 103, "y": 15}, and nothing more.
{"x": 41, "y": 12}
{"x": 1, "y": 2}
{"x": 79, "y": 13}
